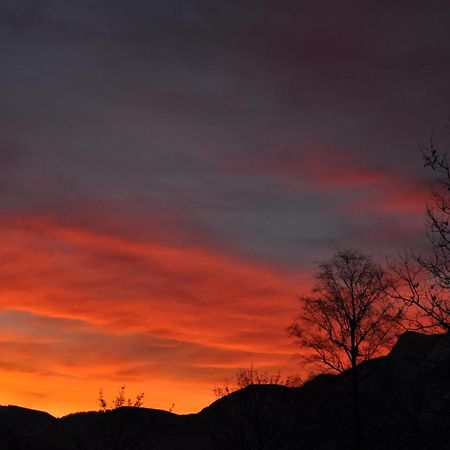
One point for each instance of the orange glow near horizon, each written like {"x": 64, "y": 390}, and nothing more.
{"x": 83, "y": 310}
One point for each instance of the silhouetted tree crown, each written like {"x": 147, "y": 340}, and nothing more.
{"x": 348, "y": 318}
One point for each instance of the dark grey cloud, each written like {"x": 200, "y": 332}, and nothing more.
{"x": 141, "y": 107}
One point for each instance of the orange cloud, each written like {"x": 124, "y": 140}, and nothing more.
{"x": 81, "y": 309}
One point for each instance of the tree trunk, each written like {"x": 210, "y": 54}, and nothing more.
{"x": 357, "y": 420}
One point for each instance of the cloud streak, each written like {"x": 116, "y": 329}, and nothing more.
{"x": 77, "y": 304}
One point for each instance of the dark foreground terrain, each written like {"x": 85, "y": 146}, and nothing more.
{"x": 405, "y": 403}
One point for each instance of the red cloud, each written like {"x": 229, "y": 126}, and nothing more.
{"x": 102, "y": 309}
{"x": 363, "y": 187}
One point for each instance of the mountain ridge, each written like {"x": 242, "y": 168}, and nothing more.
{"x": 405, "y": 399}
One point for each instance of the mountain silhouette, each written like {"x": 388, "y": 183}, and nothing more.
{"x": 405, "y": 401}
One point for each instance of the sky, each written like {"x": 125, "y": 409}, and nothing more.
{"x": 171, "y": 172}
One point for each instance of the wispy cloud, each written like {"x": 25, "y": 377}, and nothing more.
{"x": 80, "y": 304}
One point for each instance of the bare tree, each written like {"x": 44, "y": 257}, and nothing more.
{"x": 346, "y": 320}
{"x": 423, "y": 281}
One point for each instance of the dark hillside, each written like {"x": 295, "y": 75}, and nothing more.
{"x": 405, "y": 404}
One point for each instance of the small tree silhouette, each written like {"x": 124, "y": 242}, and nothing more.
{"x": 123, "y": 430}
{"x": 120, "y": 401}
{"x": 119, "y": 426}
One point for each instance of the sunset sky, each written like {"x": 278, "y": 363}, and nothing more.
{"x": 172, "y": 170}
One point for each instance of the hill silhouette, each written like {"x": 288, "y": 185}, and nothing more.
{"x": 405, "y": 405}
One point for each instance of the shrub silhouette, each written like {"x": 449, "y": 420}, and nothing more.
{"x": 251, "y": 376}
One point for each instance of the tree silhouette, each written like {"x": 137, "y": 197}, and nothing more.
{"x": 423, "y": 281}
{"x": 347, "y": 319}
